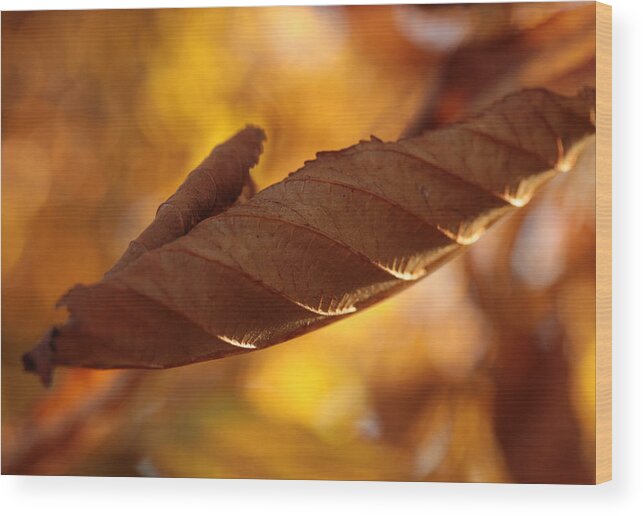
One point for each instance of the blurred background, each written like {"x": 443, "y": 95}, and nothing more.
{"x": 483, "y": 372}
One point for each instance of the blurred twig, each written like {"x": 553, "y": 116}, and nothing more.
{"x": 64, "y": 424}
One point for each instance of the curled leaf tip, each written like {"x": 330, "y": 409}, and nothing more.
{"x": 40, "y": 359}
{"x": 210, "y": 189}
{"x": 261, "y": 134}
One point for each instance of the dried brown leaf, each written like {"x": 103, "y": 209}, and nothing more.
{"x": 208, "y": 190}
{"x": 348, "y": 229}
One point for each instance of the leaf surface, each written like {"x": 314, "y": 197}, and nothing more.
{"x": 208, "y": 190}
{"x": 348, "y": 229}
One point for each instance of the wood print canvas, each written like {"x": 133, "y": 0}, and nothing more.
{"x": 340, "y": 242}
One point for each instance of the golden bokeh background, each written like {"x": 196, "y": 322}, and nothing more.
{"x": 482, "y": 372}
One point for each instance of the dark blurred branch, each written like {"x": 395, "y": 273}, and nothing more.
{"x": 58, "y": 429}
{"x": 534, "y": 415}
